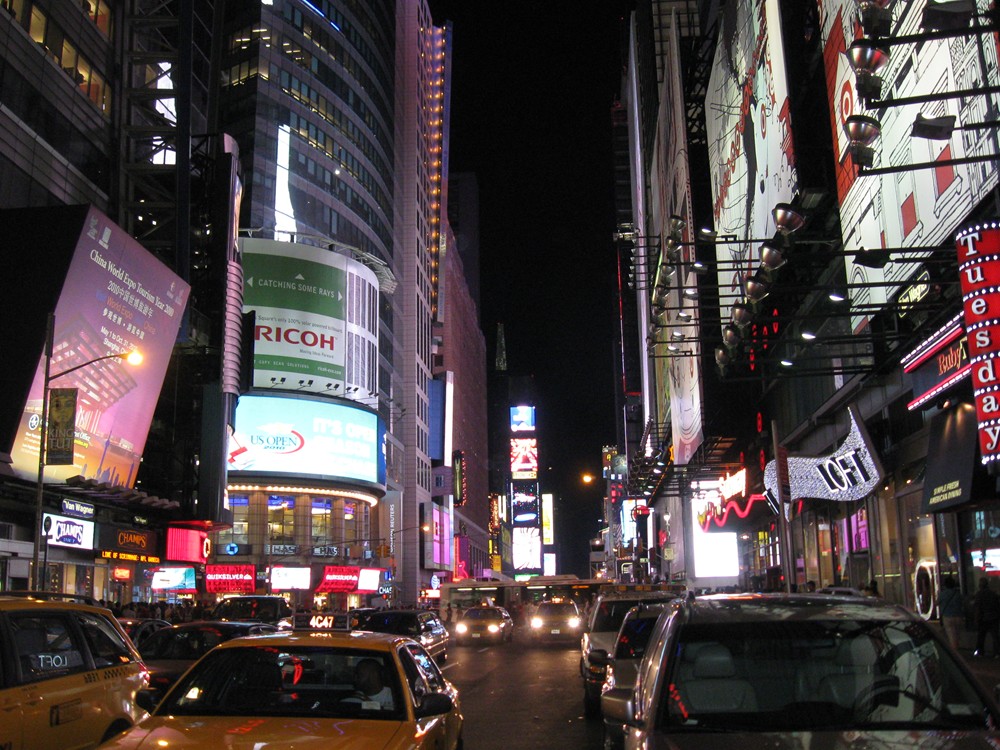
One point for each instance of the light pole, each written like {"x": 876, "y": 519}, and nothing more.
{"x": 133, "y": 357}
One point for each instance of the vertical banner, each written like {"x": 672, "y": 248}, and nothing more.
{"x": 979, "y": 275}
{"x": 62, "y": 427}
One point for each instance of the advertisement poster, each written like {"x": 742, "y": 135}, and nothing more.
{"x": 316, "y": 315}
{"x": 910, "y": 209}
{"x": 116, "y": 298}
{"x": 749, "y": 139}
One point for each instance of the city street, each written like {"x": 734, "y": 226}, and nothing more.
{"x": 521, "y": 696}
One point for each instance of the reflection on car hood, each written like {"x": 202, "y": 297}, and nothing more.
{"x": 256, "y": 733}
{"x": 850, "y": 740}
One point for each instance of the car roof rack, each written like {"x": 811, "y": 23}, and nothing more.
{"x": 53, "y": 596}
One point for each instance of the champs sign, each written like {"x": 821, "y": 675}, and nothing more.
{"x": 979, "y": 273}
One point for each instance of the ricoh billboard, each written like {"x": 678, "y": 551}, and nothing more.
{"x": 307, "y": 437}
{"x": 316, "y": 317}
{"x": 909, "y": 208}
{"x": 115, "y": 297}
{"x": 749, "y": 138}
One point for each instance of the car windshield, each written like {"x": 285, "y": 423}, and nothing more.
{"x": 610, "y": 614}
{"x": 808, "y": 675}
{"x": 398, "y": 623}
{"x": 633, "y": 637}
{"x": 482, "y": 614}
{"x": 289, "y": 681}
{"x": 180, "y": 644}
{"x": 556, "y": 609}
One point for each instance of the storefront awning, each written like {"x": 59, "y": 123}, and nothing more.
{"x": 951, "y": 458}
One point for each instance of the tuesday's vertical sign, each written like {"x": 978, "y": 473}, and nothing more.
{"x": 979, "y": 274}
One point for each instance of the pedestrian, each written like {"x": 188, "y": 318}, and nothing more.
{"x": 987, "y": 608}
{"x": 951, "y": 610}
{"x": 810, "y": 586}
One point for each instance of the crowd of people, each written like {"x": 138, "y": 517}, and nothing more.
{"x": 185, "y": 610}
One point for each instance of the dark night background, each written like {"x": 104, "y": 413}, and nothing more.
{"x": 533, "y": 84}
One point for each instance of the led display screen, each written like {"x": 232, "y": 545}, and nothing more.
{"x": 187, "y": 545}
{"x": 286, "y": 579}
{"x": 229, "y": 579}
{"x": 276, "y": 435}
{"x": 524, "y": 504}
{"x": 116, "y": 298}
{"x": 527, "y": 548}
{"x": 177, "y": 580}
{"x": 522, "y": 419}
{"x": 715, "y": 553}
{"x": 524, "y": 458}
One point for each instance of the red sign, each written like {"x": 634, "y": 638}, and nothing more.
{"x": 188, "y": 545}
{"x": 121, "y": 574}
{"x": 229, "y": 579}
{"x": 979, "y": 274}
{"x": 338, "y": 579}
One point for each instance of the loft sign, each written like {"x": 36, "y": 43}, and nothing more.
{"x": 978, "y": 248}
{"x": 848, "y": 473}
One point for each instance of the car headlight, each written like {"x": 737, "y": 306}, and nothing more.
{"x": 494, "y": 628}
{"x": 461, "y": 627}
{"x": 574, "y": 622}
{"x": 536, "y": 622}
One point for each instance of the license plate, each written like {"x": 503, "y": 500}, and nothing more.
{"x": 555, "y": 631}
{"x": 475, "y": 635}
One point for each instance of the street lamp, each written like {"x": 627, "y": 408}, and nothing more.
{"x": 133, "y": 357}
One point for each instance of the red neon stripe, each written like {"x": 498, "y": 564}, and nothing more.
{"x": 732, "y": 506}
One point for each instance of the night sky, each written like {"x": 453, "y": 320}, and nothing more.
{"x": 533, "y": 84}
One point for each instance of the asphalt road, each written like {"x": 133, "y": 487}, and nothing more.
{"x": 518, "y": 696}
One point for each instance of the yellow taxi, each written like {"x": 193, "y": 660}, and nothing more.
{"x": 322, "y": 685}
{"x": 69, "y": 674}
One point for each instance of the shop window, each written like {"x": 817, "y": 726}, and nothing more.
{"x": 281, "y": 519}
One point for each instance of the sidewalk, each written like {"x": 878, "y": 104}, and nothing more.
{"x": 985, "y": 668}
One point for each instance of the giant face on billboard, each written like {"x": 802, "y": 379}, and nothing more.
{"x": 907, "y": 208}
{"x": 316, "y": 314}
{"x": 307, "y": 437}
{"x": 116, "y": 297}
{"x": 749, "y": 138}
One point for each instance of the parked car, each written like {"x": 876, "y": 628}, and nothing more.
{"x": 601, "y": 630}
{"x": 775, "y": 670}
{"x": 332, "y": 689}
{"x": 484, "y": 625}
{"x": 622, "y": 663}
{"x": 269, "y": 609}
{"x": 556, "y": 620}
{"x": 170, "y": 652}
{"x": 70, "y": 675}
{"x": 140, "y": 628}
{"x": 421, "y": 625}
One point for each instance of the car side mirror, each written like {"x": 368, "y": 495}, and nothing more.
{"x": 434, "y": 704}
{"x": 618, "y": 705}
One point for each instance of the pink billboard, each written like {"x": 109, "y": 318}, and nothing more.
{"x": 116, "y": 297}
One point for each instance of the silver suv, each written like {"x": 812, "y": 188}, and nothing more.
{"x": 756, "y": 670}
{"x": 605, "y": 620}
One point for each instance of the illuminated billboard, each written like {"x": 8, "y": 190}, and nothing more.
{"x": 908, "y": 208}
{"x": 678, "y": 377}
{"x": 548, "y": 522}
{"x": 316, "y": 316}
{"x": 116, "y": 297}
{"x": 289, "y": 578}
{"x": 74, "y": 533}
{"x": 187, "y": 545}
{"x": 307, "y": 437}
{"x": 527, "y": 548}
{"x": 177, "y": 580}
{"x": 715, "y": 553}
{"x": 522, "y": 419}
{"x": 229, "y": 579}
{"x": 438, "y": 541}
{"x": 750, "y": 153}
{"x": 524, "y": 458}
{"x": 524, "y": 504}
